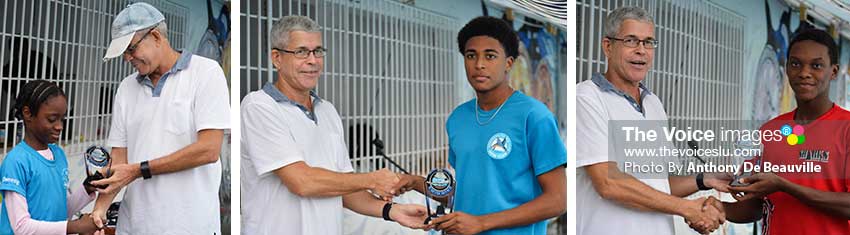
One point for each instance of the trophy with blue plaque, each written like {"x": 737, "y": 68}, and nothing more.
{"x": 98, "y": 164}
{"x": 748, "y": 147}
{"x": 439, "y": 184}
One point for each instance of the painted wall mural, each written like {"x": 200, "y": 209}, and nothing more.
{"x": 536, "y": 70}
{"x": 773, "y": 94}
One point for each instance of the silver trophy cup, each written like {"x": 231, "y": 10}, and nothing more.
{"x": 439, "y": 184}
{"x": 98, "y": 164}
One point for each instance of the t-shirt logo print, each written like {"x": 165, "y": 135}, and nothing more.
{"x": 499, "y": 146}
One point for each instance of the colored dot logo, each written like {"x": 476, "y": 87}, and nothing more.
{"x": 794, "y": 135}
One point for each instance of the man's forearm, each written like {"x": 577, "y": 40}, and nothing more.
{"x": 364, "y": 203}
{"x": 204, "y": 151}
{"x": 119, "y": 156}
{"x": 627, "y": 190}
{"x": 682, "y": 186}
{"x": 104, "y": 200}
{"x": 307, "y": 181}
{"x": 638, "y": 195}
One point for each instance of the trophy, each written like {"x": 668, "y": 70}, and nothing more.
{"x": 746, "y": 145}
{"x": 439, "y": 184}
{"x": 97, "y": 160}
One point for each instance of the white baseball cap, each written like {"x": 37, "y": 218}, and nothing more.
{"x": 134, "y": 17}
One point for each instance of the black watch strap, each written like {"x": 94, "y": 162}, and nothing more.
{"x": 386, "y": 213}
{"x": 701, "y": 182}
{"x": 146, "y": 170}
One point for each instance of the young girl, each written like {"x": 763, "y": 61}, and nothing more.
{"x": 37, "y": 198}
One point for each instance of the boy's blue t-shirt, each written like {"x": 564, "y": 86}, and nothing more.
{"x": 44, "y": 183}
{"x": 497, "y": 163}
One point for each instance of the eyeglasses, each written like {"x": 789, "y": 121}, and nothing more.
{"x": 132, "y": 48}
{"x": 304, "y": 53}
{"x": 633, "y": 42}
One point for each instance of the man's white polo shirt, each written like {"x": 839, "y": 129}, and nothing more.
{"x": 277, "y": 132}
{"x": 597, "y": 102}
{"x": 152, "y": 122}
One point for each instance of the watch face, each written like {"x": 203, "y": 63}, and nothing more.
{"x": 145, "y": 167}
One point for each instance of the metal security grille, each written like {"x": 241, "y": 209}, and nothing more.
{"x": 698, "y": 68}
{"x": 64, "y": 41}
{"x": 388, "y": 71}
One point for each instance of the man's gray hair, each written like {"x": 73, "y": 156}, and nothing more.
{"x": 282, "y": 28}
{"x": 617, "y": 17}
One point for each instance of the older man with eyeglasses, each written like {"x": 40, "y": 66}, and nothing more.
{"x": 296, "y": 174}
{"x": 167, "y": 129}
{"x": 611, "y": 200}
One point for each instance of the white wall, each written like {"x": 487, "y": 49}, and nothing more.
{"x": 463, "y": 11}
{"x": 466, "y": 10}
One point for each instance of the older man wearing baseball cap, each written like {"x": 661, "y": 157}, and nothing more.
{"x": 167, "y": 130}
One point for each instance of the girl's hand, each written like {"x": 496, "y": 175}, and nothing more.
{"x": 84, "y": 224}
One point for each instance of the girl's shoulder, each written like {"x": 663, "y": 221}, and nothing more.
{"x": 20, "y": 153}
{"x": 23, "y": 153}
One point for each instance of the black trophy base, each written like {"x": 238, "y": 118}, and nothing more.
{"x": 97, "y": 176}
{"x": 441, "y": 211}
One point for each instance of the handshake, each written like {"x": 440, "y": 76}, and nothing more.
{"x": 386, "y": 185}
{"x": 84, "y": 225}
{"x": 705, "y": 215}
